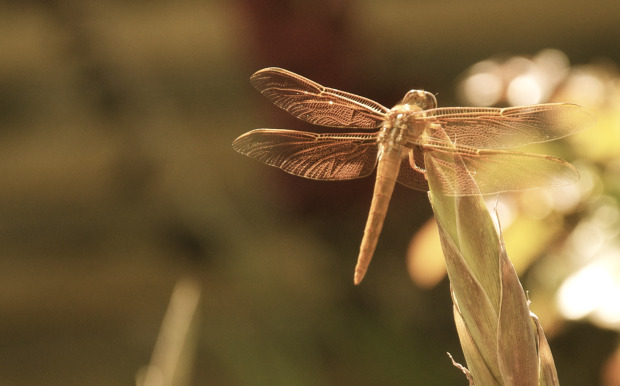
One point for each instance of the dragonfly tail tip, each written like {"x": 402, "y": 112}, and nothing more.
{"x": 357, "y": 278}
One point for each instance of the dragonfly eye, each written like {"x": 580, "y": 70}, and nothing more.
{"x": 423, "y": 99}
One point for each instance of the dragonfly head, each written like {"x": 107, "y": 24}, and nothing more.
{"x": 423, "y": 99}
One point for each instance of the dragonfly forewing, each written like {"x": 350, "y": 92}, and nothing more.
{"x": 311, "y": 102}
{"x": 490, "y": 128}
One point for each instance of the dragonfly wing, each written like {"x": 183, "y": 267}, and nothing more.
{"x": 496, "y": 171}
{"x": 311, "y": 102}
{"x": 310, "y": 155}
{"x": 489, "y": 128}
{"x": 411, "y": 170}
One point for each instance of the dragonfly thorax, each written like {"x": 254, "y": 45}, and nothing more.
{"x": 402, "y": 124}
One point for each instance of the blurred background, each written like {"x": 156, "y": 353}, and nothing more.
{"x": 120, "y": 188}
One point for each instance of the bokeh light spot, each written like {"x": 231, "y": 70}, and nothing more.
{"x": 483, "y": 89}
{"x": 524, "y": 90}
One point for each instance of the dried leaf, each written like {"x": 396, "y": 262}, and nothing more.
{"x": 548, "y": 375}
{"x": 516, "y": 339}
{"x": 473, "y": 357}
{"x": 463, "y": 369}
{"x": 475, "y": 308}
{"x": 491, "y": 312}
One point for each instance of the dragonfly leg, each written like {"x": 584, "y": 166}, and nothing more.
{"x": 416, "y": 157}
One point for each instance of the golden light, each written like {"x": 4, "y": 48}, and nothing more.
{"x": 593, "y": 292}
{"x": 526, "y": 89}
{"x": 584, "y": 292}
{"x": 483, "y": 86}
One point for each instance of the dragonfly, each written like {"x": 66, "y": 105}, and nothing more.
{"x": 469, "y": 147}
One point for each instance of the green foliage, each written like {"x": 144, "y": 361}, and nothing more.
{"x": 501, "y": 342}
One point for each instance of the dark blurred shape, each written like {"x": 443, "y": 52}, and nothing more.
{"x": 196, "y": 246}
{"x": 302, "y": 36}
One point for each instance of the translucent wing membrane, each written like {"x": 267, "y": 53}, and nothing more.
{"x": 457, "y": 144}
{"x": 311, "y": 102}
{"x": 310, "y": 155}
{"x": 411, "y": 168}
{"x": 508, "y": 127}
{"x": 470, "y": 172}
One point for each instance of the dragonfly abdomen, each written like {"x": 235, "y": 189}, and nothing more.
{"x": 387, "y": 172}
